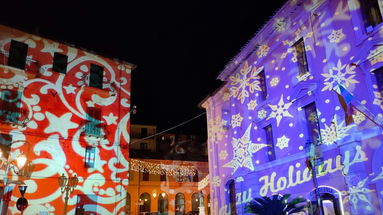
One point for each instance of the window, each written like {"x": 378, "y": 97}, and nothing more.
{"x": 60, "y": 62}
{"x": 299, "y": 47}
{"x": 86, "y": 204}
{"x": 10, "y": 105}
{"x": 143, "y": 146}
{"x": 379, "y": 79}
{"x": 17, "y": 54}
{"x": 145, "y": 199}
{"x": 179, "y": 177}
{"x": 145, "y": 175}
{"x": 270, "y": 142}
{"x": 312, "y": 123}
{"x": 163, "y": 203}
{"x": 93, "y": 119}
{"x": 180, "y": 204}
{"x": 90, "y": 156}
{"x": 371, "y": 13}
{"x": 96, "y": 76}
{"x": 232, "y": 200}
{"x": 163, "y": 176}
{"x": 195, "y": 177}
{"x": 127, "y": 204}
{"x": 144, "y": 132}
{"x": 262, "y": 85}
{"x": 195, "y": 202}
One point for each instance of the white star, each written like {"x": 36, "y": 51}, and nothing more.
{"x": 243, "y": 150}
{"x": 70, "y": 89}
{"x": 111, "y": 119}
{"x": 60, "y": 124}
{"x": 51, "y": 48}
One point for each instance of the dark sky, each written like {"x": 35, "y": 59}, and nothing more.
{"x": 179, "y": 46}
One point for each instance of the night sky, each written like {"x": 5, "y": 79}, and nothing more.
{"x": 179, "y": 47}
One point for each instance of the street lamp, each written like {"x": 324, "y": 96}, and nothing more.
{"x": 67, "y": 186}
{"x": 16, "y": 165}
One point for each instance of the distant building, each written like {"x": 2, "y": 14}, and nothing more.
{"x": 67, "y": 110}
{"x": 166, "y": 146}
{"x": 164, "y": 186}
{"x": 167, "y": 172}
{"x": 308, "y": 84}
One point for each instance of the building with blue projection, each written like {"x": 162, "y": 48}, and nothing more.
{"x": 307, "y": 87}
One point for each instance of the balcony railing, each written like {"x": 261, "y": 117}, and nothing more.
{"x": 31, "y": 66}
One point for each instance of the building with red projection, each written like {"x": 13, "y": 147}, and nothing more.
{"x": 67, "y": 111}
{"x": 307, "y": 88}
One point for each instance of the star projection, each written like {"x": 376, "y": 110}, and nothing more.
{"x": 243, "y": 150}
{"x": 305, "y": 51}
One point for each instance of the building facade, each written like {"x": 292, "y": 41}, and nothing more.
{"x": 167, "y": 187}
{"x": 168, "y": 172}
{"x": 68, "y": 111}
{"x": 307, "y": 85}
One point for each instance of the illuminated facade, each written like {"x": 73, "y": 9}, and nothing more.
{"x": 68, "y": 111}
{"x": 166, "y": 186}
{"x": 280, "y": 98}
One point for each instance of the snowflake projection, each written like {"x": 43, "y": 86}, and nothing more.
{"x": 263, "y": 50}
{"x": 336, "y": 75}
{"x": 378, "y": 100}
{"x": 216, "y": 130}
{"x": 283, "y": 142}
{"x": 280, "y": 110}
{"x": 356, "y": 193}
{"x": 262, "y": 114}
{"x": 336, "y": 36}
{"x": 252, "y": 104}
{"x": 334, "y": 132}
{"x": 216, "y": 181}
{"x": 313, "y": 117}
{"x": 243, "y": 150}
{"x": 247, "y": 77}
{"x": 226, "y": 97}
{"x": 375, "y": 56}
{"x": 236, "y": 120}
{"x": 280, "y": 24}
{"x": 358, "y": 117}
{"x": 274, "y": 81}
{"x": 223, "y": 155}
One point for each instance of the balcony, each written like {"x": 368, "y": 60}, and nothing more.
{"x": 32, "y": 67}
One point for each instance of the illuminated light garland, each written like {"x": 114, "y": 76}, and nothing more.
{"x": 157, "y": 168}
{"x": 204, "y": 182}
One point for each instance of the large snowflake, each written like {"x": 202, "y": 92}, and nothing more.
{"x": 246, "y": 77}
{"x": 335, "y": 75}
{"x": 280, "y": 110}
{"x": 334, "y": 132}
{"x": 243, "y": 150}
{"x": 356, "y": 193}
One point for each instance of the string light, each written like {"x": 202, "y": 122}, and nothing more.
{"x": 156, "y": 168}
